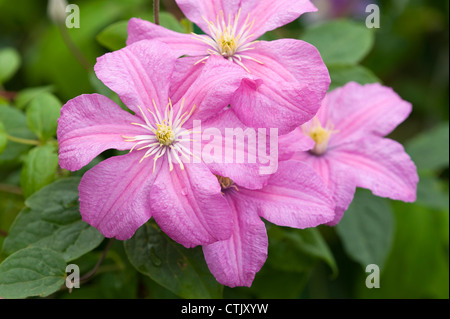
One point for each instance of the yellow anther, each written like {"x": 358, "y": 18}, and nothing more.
{"x": 321, "y": 135}
{"x": 164, "y": 134}
{"x": 226, "y": 183}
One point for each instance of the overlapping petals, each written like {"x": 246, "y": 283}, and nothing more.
{"x": 286, "y": 89}
{"x": 230, "y": 149}
{"x": 156, "y": 178}
{"x": 139, "y": 74}
{"x": 228, "y": 92}
{"x": 188, "y": 205}
{"x": 234, "y": 262}
{"x": 295, "y": 196}
{"x": 287, "y": 78}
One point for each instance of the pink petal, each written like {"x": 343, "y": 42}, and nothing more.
{"x": 357, "y": 110}
{"x": 270, "y": 15}
{"x": 89, "y": 125}
{"x": 189, "y": 207}
{"x": 293, "y": 142}
{"x": 234, "y": 262}
{"x": 381, "y": 165}
{"x": 199, "y": 10}
{"x": 340, "y": 184}
{"x": 186, "y": 72}
{"x": 183, "y": 44}
{"x": 288, "y": 88}
{"x": 209, "y": 86}
{"x": 115, "y": 195}
{"x": 139, "y": 73}
{"x": 295, "y": 196}
{"x": 220, "y": 149}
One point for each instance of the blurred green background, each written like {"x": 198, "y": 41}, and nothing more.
{"x": 409, "y": 52}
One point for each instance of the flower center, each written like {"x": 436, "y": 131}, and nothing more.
{"x": 227, "y": 45}
{"x": 320, "y": 135}
{"x": 165, "y": 135}
{"x": 228, "y": 39}
{"x": 226, "y": 183}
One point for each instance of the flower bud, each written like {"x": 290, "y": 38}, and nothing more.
{"x": 56, "y": 10}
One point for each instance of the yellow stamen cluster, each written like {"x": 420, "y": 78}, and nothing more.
{"x": 229, "y": 38}
{"x": 321, "y": 135}
{"x": 227, "y": 44}
{"x": 164, "y": 134}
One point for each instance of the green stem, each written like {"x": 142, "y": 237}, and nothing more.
{"x": 22, "y": 140}
{"x": 90, "y": 274}
{"x": 74, "y": 48}
{"x": 156, "y": 11}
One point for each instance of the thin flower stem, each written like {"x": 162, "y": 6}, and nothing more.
{"x": 22, "y": 140}
{"x": 90, "y": 274}
{"x": 10, "y": 189}
{"x": 156, "y": 11}
{"x": 74, "y": 48}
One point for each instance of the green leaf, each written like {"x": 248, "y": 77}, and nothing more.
{"x": 123, "y": 283}
{"x": 30, "y": 272}
{"x": 271, "y": 283}
{"x": 54, "y": 63}
{"x": 3, "y": 138}
{"x": 430, "y": 149}
{"x": 156, "y": 291}
{"x": 367, "y": 229}
{"x": 341, "y": 75}
{"x": 296, "y": 250}
{"x": 39, "y": 169}
{"x": 14, "y": 122}
{"x": 341, "y": 42}
{"x": 432, "y": 192}
{"x": 182, "y": 271}
{"x": 9, "y": 63}
{"x": 10, "y": 206}
{"x": 417, "y": 267}
{"x": 42, "y": 115}
{"x": 52, "y": 219}
{"x": 293, "y": 255}
{"x": 114, "y": 37}
{"x": 188, "y": 26}
{"x": 27, "y": 95}
{"x": 168, "y": 21}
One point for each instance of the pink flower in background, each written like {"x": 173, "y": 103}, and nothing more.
{"x": 288, "y": 78}
{"x": 153, "y": 180}
{"x": 350, "y": 150}
{"x": 338, "y": 9}
{"x": 295, "y": 196}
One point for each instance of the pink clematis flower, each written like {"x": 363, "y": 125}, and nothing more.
{"x": 295, "y": 196}
{"x": 350, "y": 149}
{"x": 158, "y": 177}
{"x": 288, "y": 77}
